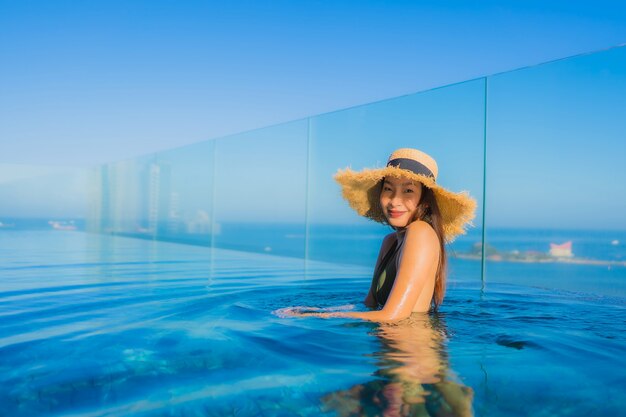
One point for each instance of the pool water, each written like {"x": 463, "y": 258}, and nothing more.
{"x": 108, "y": 326}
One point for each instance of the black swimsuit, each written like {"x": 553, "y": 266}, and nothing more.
{"x": 385, "y": 275}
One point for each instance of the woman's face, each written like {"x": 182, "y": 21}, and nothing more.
{"x": 399, "y": 199}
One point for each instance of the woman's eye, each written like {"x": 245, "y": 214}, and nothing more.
{"x": 408, "y": 190}
{"x": 386, "y": 189}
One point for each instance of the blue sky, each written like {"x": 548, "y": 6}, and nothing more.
{"x": 88, "y": 82}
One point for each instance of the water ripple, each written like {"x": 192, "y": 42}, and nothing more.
{"x": 150, "y": 329}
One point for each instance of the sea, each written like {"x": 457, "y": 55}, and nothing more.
{"x": 359, "y": 245}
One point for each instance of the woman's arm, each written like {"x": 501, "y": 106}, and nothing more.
{"x": 418, "y": 265}
{"x": 369, "y": 301}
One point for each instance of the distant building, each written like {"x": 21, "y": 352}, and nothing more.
{"x": 563, "y": 250}
{"x": 200, "y": 224}
{"x": 154, "y": 188}
{"x": 173, "y": 218}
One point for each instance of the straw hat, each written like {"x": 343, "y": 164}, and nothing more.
{"x": 362, "y": 191}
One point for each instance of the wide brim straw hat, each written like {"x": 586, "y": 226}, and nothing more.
{"x": 362, "y": 190}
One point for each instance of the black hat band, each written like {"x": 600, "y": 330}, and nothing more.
{"x": 411, "y": 165}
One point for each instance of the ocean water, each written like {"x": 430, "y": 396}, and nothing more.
{"x": 95, "y": 325}
{"x": 359, "y": 243}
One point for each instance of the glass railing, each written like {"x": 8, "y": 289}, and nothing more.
{"x": 556, "y": 199}
{"x": 447, "y": 123}
{"x": 540, "y": 149}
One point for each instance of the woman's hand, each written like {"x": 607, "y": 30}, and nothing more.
{"x": 303, "y": 311}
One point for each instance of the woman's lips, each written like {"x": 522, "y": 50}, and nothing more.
{"x": 395, "y": 213}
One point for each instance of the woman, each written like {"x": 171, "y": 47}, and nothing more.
{"x": 410, "y": 274}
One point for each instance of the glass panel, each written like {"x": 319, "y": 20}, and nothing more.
{"x": 555, "y": 175}
{"x": 166, "y": 196}
{"x": 185, "y": 193}
{"x": 129, "y": 202}
{"x": 260, "y": 190}
{"x": 42, "y": 197}
{"x": 447, "y": 123}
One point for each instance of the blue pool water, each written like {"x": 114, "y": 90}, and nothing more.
{"x": 110, "y": 326}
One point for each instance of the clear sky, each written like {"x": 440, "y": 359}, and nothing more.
{"x": 85, "y": 82}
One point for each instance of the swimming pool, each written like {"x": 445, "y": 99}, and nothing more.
{"x": 96, "y": 325}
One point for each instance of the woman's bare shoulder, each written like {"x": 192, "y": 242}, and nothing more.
{"x": 422, "y": 231}
{"x": 422, "y": 243}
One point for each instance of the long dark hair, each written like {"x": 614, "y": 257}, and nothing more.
{"x": 428, "y": 211}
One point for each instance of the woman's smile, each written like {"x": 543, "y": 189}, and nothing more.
{"x": 395, "y": 213}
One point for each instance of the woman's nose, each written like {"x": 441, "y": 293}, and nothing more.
{"x": 395, "y": 198}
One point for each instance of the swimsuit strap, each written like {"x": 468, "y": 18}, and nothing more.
{"x": 382, "y": 267}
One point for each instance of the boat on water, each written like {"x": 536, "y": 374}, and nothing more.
{"x": 61, "y": 225}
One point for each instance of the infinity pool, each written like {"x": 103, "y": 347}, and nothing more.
{"x": 108, "y": 326}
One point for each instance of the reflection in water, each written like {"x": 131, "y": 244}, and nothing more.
{"x": 413, "y": 376}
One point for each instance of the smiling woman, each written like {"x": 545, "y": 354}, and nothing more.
{"x": 410, "y": 273}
